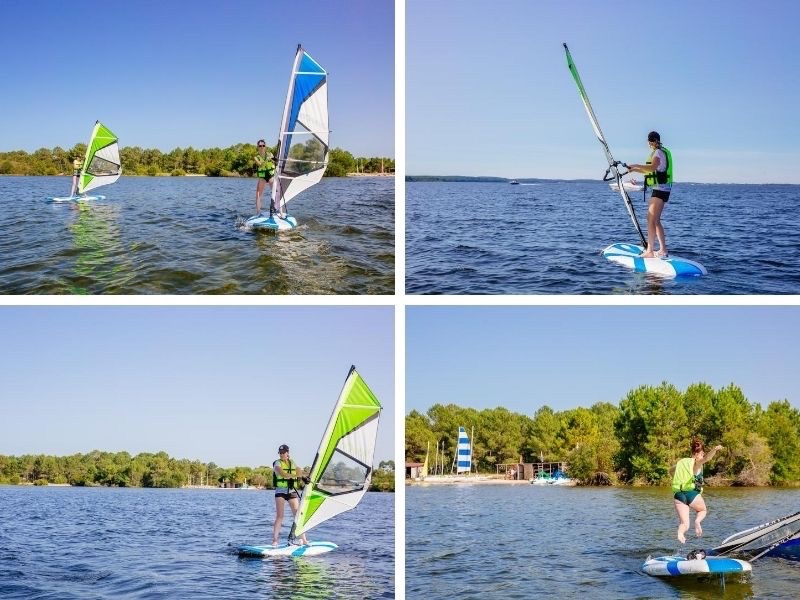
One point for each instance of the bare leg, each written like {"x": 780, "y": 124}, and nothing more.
{"x": 294, "y": 503}
{"x": 654, "y": 225}
{"x": 74, "y": 185}
{"x": 276, "y": 204}
{"x": 259, "y": 192}
{"x": 683, "y": 520}
{"x": 699, "y": 505}
{"x": 276, "y": 528}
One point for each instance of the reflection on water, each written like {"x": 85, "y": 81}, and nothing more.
{"x": 179, "y": 235}
{"x": 137, "y": 543}
{"x": 97, "y": 248}
{"x": 487, "y": 541}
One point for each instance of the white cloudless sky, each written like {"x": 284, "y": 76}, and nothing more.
{"x": 488, "y": 91}
{"x": 227, "y": 384}
{"x": 524, "y": 357}
{"x": 201, "y": 73}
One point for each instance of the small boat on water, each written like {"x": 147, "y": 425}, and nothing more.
{"x": 558, "y": 477}
{"x": 514, "y": 182}
{"x": 630, "y": 185}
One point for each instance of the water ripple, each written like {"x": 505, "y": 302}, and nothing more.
{"x": 178, "y": 235}
{"x": 493, "y": 238}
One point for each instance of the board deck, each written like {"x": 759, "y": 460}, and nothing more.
{"x": 310, "y": 549}
{"x": 628, "y": 255}
{"x": 273, "y": 223}
{"x": 673, "y": 566}
{"x": 73, "y": 198}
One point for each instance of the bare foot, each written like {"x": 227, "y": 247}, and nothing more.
{"x": 681, "y": 538}
{"x": 274, "y": 542}
{"x": 647, "y": 254}
{"x": 698, "y": 531}
{"x": 662, "y": 254}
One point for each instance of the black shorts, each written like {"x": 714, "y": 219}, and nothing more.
{"x": 661, "y": 195}
{"x": 287, "y": 495}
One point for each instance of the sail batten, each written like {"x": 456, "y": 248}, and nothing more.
{"x": 303, "y": 145}
{"x": 342, "y": 468}
{"x": 102, "y": 164}
{"x": 612, "y": 164}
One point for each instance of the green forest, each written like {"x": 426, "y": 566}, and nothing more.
{"x": 120, "y": 469}
{"x": 234, "y": 161}
{"x": 635, "y": 443}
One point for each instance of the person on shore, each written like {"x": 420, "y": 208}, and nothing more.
{"x": 687, "y": 487}
{"x": 657, "y": 175}
{"x": 265, "y": 171}
{"x": 77, "y": 163}
{"x": 284, "y": 477}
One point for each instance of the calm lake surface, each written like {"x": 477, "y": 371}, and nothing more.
{"x": 181, "y": 235}
{"x": 92, "y": 543}
{"x": 546, "y": 238}
{"x": 524, "y": 541}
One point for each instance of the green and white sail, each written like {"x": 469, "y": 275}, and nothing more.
{"x": 342, "y": 468}
{"x": 302, "y": 152}
{"x": 101, "y": 165}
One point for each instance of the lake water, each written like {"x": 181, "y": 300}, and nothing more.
{"x": 179, "y": 235}
{"x": 92, "y": 543}
{"x": 546, "y": 238}
{"x": 524, "y": 541}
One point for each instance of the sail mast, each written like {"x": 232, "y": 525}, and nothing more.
{"x": 612, "y": 164}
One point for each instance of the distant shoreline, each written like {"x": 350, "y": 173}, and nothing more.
{"x": 530, "y": 180}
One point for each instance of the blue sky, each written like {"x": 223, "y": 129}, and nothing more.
{"x": 227, "y": 384}
{"x": 488, "y": 91}
{"x": 205, "y": 73}
{"x": 525, "y": 357}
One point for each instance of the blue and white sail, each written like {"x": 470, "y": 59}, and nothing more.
{"x": 463, "y": 452}
{"x": 302, "y": 152}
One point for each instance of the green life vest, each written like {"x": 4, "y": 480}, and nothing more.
{"x": 659, "y": 177}
{"x": 266, "y": 168}
{"x": 280, "y": 482}
{"x": 684, "y": 479}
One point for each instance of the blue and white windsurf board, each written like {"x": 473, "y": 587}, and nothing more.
{"x": 628, "y": 255}
{"x": 271, "y": 222}
{"x": 73, "y": 198}
{"x": 673, "y": 566}
{"x": 310, "y": 549}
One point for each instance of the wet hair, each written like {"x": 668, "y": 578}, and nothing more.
{"x": 653, "y": 137}
{"x": 697, "y": 445}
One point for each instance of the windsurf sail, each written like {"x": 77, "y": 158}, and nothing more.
{"x": 613, "y": 165}
{"x": 342, "y": 468}
{"x": 101, "y": 165}
{"x": 762, "y": 539}
{"x": 463, "y": 453}
{"x": 302, "y": 152}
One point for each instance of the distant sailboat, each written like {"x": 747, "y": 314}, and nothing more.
{"x": 302, "y": 152}
{"x": 101, "y": 165}
{"x": 462, "y": 461}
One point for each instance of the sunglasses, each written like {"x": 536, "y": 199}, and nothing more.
{"x": 261, "y": 146}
